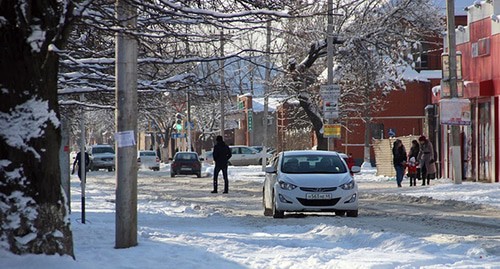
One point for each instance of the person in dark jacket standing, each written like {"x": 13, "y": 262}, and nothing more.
{"x": 221, "y": 154}
{"x": 399, "y": 160}
{"x": 76, "y": 164}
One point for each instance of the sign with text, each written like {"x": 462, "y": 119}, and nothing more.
{"x": 330, "y": 95}
{"x": 332, "y": 130}
{"x": 250, "y": 120}
{"x": 125, "y": 139}
{"x": 455, "y": 111}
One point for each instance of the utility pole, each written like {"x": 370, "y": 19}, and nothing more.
{"x": 329, "y": 44}
{"x": 126, "y": 127}
{"x": 456, "y": 159}
{"x": 82, "y": 167}
{"x": 188, "y": 124}
{"x": 222, "y": 84}
{"x": 266, "y": 92}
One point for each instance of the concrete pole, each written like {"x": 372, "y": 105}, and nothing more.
{"x": 126, "y": 128}
{"x": 82, "y": 159}
{"x": 329, "y": 44}
{"x": 456, "y": 159}
{"x": 266, "y": 94}
{"x": 222, "y": 84}
{"x": 188, "y": 125}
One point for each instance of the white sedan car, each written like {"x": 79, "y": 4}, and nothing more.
{"x": 310, "y": 181}
{"x": 148, "y": 159}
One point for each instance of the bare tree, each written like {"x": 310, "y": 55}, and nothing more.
{"x": 376, "y": 39}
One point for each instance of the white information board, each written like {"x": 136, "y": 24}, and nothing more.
{"x": 125, "y": 139}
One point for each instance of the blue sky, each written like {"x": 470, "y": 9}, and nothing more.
{"x": 459, "y": 5}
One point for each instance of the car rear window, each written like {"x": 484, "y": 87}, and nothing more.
{"x": 313, "y": 164}
{"x": 186, "y": 156}
{"x": 102, "y": 150}
{"x": 148, "y": 153}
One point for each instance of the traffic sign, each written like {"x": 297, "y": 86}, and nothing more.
{"x": 178, "y": 135}
{"x": 330, "y": 95}
{"x": 250, "y": 120}
{"x": 191, "y": 125}
{"x": 332, "y": 130}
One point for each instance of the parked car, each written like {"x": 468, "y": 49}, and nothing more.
{"x": 148, "y": 159}
{"x": 244, "y": 155}
{"x": 208, "y": 157}
{"x": 185, "y": 163}
{"x": 102, "y": 156}
{"x": 308, "y": 181}
{"x": 260, "y": 148}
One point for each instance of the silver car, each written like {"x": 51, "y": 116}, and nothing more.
{"x": 310, "y": 181}
{"x": 244, "y": 155}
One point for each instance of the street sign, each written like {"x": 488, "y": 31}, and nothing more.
{"x": 391, "y": 132}
{"x": 191, "y": 125}
{"x": 330, "y": 95}
{"x": 178, "y": 135}
{"x": 250, "y": 120}
{"x": 332, "y": 130}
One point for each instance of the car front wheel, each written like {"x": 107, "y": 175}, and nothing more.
{"x": 277, "y": 214}
{"x": 352, "y": 213}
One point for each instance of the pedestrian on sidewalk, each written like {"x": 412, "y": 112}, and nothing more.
{"x": 221, "y": 155}
{"x": 399, "y": 160}
{"x": 76, "y": 164}
{"x": 412, "y": 171}
{"x": 426, "y": 160}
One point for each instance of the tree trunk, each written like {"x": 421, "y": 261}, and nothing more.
{"x": 33, "y": 213}
{"x": 316, "y": 121}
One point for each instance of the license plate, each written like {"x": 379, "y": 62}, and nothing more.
{"x": 318, "y": 196}
{"x": 186, "y": 169}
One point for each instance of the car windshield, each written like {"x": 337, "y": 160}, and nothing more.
{"x": 102, "y": 150}
{"x": 312, "y": 164}
{"x": 147, "y": 153}
{"x": 186, "y": 156}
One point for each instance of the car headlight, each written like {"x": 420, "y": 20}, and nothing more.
{"x": 286, "y": 186}
{"x": 348, "y": 186}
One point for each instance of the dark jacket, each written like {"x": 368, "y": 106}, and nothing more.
{"x": 222, "y": 153}
{"x": 399, "y": 155}
{"x": 414, "y": 150}
{"x": 77, "y": 160}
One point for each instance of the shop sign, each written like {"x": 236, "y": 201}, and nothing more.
{"x": 455, "y": 111}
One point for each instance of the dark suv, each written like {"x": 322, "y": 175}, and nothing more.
{"x": 185, "y": 163}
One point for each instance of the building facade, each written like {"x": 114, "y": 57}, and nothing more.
{"x": 478, "y": 43}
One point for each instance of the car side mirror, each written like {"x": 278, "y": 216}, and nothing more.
{"x": 355, "y": 169}
{"x": 270, "y": 170}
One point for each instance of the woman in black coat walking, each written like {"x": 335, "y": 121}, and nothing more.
{"x": 399, "y": 160}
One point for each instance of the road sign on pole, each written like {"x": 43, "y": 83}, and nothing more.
{"x": 330, "y": 95}
{"x": 332, "y": 130}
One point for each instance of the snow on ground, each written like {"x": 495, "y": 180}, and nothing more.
{"x": 176, "y": 235}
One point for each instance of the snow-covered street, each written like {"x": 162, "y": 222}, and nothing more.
{"x": 182, "y": 225}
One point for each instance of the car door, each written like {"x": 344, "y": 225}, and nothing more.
{"x": 236, "y": 158}
{"x": 269, "y": 181}
{"x": 249, "y": 156}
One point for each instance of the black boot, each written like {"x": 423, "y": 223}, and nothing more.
{"x": 215, "y": 187}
